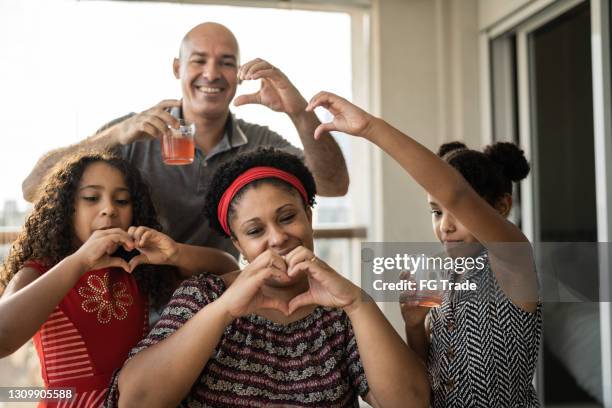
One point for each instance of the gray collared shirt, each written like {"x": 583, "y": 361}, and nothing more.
{"x": 179, "y": 191}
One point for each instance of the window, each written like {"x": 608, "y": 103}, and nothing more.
{"x": 70, "y": 66}
{"x": 67, "y": 67}
{"x": 542, "y": 94}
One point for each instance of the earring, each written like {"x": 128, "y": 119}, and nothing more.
{"x": 242, "y": 261}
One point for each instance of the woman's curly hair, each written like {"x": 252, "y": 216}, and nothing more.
{"x": 48, "y": 235}
{"x": 490, "y": 172}
{"x": 229, "y": 171}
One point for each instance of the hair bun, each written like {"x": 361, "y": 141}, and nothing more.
{"x": 449, "y": 147}
{"x": 511, "y": 159}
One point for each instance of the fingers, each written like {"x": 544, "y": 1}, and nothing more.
{"x": 168, "y": 103}
{"x": 271, "y": 73}
{"x": 323, "y": 99}
{"x": 267, "y": 259}
{"x": 135, "y": 233}
{"x": 301, "y": 259}
{"x": 407, "y": 276}
{"x": 168, "y": 119}
{"x": 140, "y": 235}
{"x": 152, "y": 125}
{"x": 324, "y": 128}
{"x": 247, "y": 99}
{"x": 308, "y": 267}
{"x": 156, "y": 121}
{"x": 267, "y": 302}
{"x": 162, "y": 111}
{"x": 270, "y": 273}
{"x": 267, "y": 265}
{"x": 297, "y": 255}
{"x": 160, "y": 120}
{"x": 149, "y": 129}
{"x": 114, "y": 262}
{"x": 137, "y": 260}
{"x": 116, "y": 236}
{"x": 255, "y": 66}
{"x": 145, "y": 238}
{"x": 247, "y": 70}
{"x": 300, "y": 300}
{"x": 408, "y": 299}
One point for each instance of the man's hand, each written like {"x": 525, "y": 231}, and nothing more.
{"x": 153, "y": 122}
{"x": 276, "y": 92}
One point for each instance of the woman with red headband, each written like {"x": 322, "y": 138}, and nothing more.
{"x": 288, "y": 330}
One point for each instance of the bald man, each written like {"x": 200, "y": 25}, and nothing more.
{"x": 208, "y": 67}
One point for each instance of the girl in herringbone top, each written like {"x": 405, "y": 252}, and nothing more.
{"x": 287, "y": 331}
{"x": 84, "y": 307}
{"x": 480, "y": 346}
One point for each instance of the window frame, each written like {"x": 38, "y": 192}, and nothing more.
{"x": 522, "y": 23}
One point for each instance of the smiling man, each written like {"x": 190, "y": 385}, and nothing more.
{"x": 208, "y": 67}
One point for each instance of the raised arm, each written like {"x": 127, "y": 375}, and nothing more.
{"x": 395, "y": 373}
{"x": 150, "y": 123}
{"x": 323, "y": 156}
{"x": 29, "y": 299}
{"x": 512, "y": 264}
{"x": 101, "y": 141}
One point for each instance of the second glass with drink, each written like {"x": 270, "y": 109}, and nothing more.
{"x": 428, "y": 289}
{"x": 178, "y": 147}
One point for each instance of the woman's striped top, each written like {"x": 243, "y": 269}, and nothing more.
{"x": 313, "y": 362}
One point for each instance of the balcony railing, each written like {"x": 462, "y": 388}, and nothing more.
{"x": 8, "y": 235}
{"x": 337, "y": 245}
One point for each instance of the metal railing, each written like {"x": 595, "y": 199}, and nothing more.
{"x": 8, "y": 235}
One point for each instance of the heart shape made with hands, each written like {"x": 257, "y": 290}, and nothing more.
{"x": 283, "y": 275}
{"x": 325, "y": 286}
{"x": 125, "y": 254}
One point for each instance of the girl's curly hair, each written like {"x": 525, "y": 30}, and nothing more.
{"x": 229, "y": 171}
{"x": 48, "y": 235}
{"x": 490, "y": 172}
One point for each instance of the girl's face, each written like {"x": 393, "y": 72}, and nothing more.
{"x": 447, "y": 229}
{"x": 269, "y": 217}
{"x": 102, "y": 201}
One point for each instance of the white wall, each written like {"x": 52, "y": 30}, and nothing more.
{"x": 425, "y": 83}
{"x": 492, "y": 11}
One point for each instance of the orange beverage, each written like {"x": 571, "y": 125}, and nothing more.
{"x": 178, "y": 150}
{"x": 429, "y": 301}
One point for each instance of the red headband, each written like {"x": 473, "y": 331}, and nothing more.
{"x": 252, "y": 174}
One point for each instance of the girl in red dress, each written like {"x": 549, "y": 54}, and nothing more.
{"x": 67, "y": 286}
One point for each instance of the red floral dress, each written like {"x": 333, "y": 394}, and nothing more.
{"x": 89, "y": 334}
